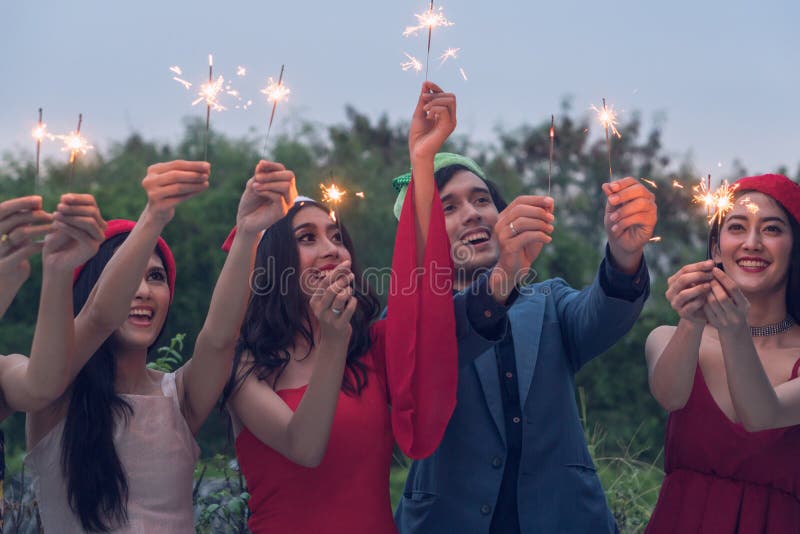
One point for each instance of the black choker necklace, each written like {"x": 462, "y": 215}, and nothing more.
{"x": 772, "y": 329}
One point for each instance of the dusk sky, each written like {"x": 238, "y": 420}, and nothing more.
{"x": 725, "y": 75}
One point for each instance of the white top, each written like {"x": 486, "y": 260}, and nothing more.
{"x": 158, "y": 453}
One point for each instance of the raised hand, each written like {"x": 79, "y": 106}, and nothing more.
{"x": 630, "y": 218}
{"x": 688, "y": 289}
{"x": 433, "y": 121}
{"x": 334, "y": 304}
{"x": 725, "y": 305}
{"x": 22, "y": 220}
{"x": 522, "y": 229}
{"x": 168, "y": 184}
{"x": 267, "y": 197}
{"x": 78, "y": 231}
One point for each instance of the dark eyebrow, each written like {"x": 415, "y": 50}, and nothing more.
{"x": 304, "y": 226}
{"x": 477, "y": 189}
{"x": 765, "y": 219}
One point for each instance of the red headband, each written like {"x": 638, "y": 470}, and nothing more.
{"x": 777, "y": 186}
{"x": 122, "y": 226}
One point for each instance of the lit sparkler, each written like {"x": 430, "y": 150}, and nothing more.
{"x": 717, "y": 202}
{"x": 333, "y": 196}
{"x": 608, "y": 118}
{"x": 275, "y": 92}
{"x": 75, "y": 144}
{"x": 430, "y": 19}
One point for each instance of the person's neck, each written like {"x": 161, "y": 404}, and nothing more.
{"x": 131, "y": 375}
{"x": 767, "y": 309}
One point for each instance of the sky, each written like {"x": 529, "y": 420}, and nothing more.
{"x": 723, "y": 76}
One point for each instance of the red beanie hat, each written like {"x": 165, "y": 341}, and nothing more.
{"x": 122, "y": 226}
{"x": 777, "y": 186}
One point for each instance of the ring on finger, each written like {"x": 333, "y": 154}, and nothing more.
{"x": 513, "y": 230}
{"x": 5, "y": 238}
{"x": 335, "y": 311}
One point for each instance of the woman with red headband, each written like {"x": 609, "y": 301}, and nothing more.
{"x": 727, "y": 373}
{"x": 72, "y": 235}
{"x": 320, "y": 390}
{"x": 117, "y": 450}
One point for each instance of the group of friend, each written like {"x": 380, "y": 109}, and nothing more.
{"x": 474, "y": 379}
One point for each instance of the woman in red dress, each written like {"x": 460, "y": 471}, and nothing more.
{"x": 727, "y": 373}
{"x": 319, "y": 391}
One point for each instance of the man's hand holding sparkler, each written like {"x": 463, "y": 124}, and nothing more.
{"x": 630, "y": 217}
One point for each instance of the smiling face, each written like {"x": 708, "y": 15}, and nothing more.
{"x": 755, "y": 244}
{"x": 148, "y": 309}
{"x": 470, "y": 216}
{"x": 320, "y": 248}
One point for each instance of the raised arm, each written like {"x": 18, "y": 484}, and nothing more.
{"x": 267, "y": 197}
{"x": 22, "y": 220}
{"x": 672, "y": 352}
{"x": 758, "y": 404}
{"x": 302, "y": 435}
{"x": 31, "y": 384}
{"x": 433, "y": 121}
{"x": 167, "y": 185}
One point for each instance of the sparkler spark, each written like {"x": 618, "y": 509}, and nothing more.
{"x": 428, "y": 20}
{"x": 412, "y": 63}
{"x": 552, "y": 143}
{"x": 751, "y": 206}
{"x": 608, "y": 118}
{"x": 241, "y": 71}
{"x": 651, "y": 183}
{"x": 275, "y": 92}
{"x": 677, "y": 185}
{"x": 332, "y": 194}
{"x": 360, "y": 194}
{"x": 655, "y": 239}
{"x": 717, "y": 202}
{"x": 463, "y": 74}
{"x": 210, "y": 93}
{"x": 450, "y": 53}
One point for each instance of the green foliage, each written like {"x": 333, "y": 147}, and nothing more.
{"x": 171, "y": 357}
{"x": 222, "y": 508}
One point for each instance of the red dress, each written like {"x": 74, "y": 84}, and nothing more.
{"x": 721, "y": 478}
{"x": 413, "y": 367}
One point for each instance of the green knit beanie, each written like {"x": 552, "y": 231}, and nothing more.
{"x": 440, "y": 161}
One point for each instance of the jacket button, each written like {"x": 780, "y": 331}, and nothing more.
{"x": 486, "y": 509}
{"x": 497, "y": 462}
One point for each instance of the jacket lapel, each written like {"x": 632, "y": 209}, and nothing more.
{"x": 526, "y": 317}
{"x": 486, "y": 365}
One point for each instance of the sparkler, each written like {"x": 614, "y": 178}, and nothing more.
{"x": 430, "y": 19}
{"x": 552, "y": 142}
{"x": 75, "y": 144}
{"x": 39, "y": 133}
{"x": 276, "y": 92}
{"x": 333, "y": 196}
{"x": 448, "y": 54}
{"x": 608, "y": 118}
{"x": 717, "y": 202}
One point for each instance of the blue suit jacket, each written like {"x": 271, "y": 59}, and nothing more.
{"x": 556, "y": 330}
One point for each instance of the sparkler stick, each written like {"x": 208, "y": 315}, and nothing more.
{"x": 430, "y": 31}
{"x": 75, "y": 144}
{"x": 275, "y": 93}
{"x": 38, "y": 134}
{"x": 608, "y": 118}
{"x": 552, "y": 140}
{"x": 208, "y": 104}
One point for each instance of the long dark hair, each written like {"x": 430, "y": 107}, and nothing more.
{"x": 793, "y": 283}
{"x": 97, "y": 487}
{"x": 278, "y": 311}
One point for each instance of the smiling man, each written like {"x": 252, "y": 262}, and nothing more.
{"x": 514, "y": 458}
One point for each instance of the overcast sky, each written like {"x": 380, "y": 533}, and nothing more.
{"x": 725, "y": 74}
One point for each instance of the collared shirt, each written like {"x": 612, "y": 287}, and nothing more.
{"x": 489, "y": 319}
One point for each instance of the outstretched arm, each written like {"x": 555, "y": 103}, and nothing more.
{"x": 267, "y": 197}
{"x": 31, "y": 384}
{"x": 672, "y": 352}
{"x": 167, "y": 185}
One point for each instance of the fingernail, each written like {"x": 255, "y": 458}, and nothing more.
{"x": 614, "y": 216}
{"x": 613, "y": 198}
{"x": 614, "y": 228}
